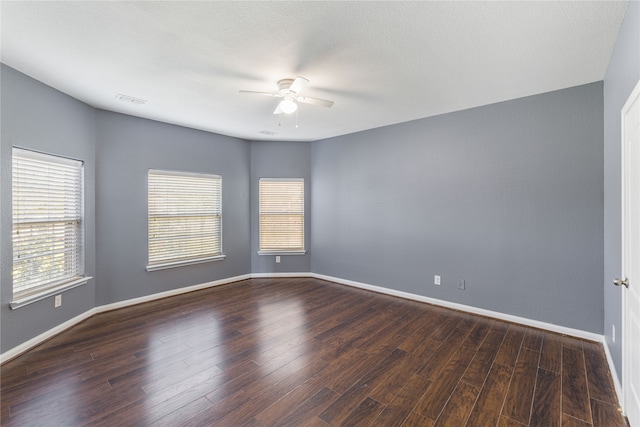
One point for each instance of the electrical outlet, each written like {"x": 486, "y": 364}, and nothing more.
{"x": 277, "y": 259}
{"x": 460, "y": 284}
{"x": 436, "y": 280}
{"x": 613, "y": 333}
{"x": 57, "y": 301}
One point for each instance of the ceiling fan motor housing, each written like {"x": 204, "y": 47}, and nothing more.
{"x": 283, "y": 87}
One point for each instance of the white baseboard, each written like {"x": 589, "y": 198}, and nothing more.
{"x": 276, "y": 275}
{"x": 172, "y": 292}
{"x": 28, "y": 345}
{"x": 16, "y": 351}
{"x": 467, "y": 308}
{"x": 614, "y": 373}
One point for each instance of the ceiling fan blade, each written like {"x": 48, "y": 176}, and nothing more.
{"x": 278, "y": 110}
{"x": 315, "y": 101}
{"x": 274, "y": 95}
{"x": 298, "y": 84}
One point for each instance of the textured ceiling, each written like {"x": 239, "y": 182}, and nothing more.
{"x": 381, "y": 62}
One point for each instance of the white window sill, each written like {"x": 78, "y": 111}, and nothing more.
{"x": 282, "y": 252}
{"x": 183, "y": 263}
{"x": 29, "y": 299}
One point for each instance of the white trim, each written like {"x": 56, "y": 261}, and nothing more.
{"x": 283, "y": 253}
{"x": 182, "y": 263}
{"x": 277, "y": 275}
{"x": 614, "y": 374}
{"x": 35, "y": 175}
{"x": 170, "y": 293}
{"x": 288, "y": 211}
{"x": 16, "y": 351}
{"x": 281, "y": 179}
{"x": 470, "y": 309}
{"x": 155, "y": 210}
{"x": 625, "y": 166}
{"x": 183, "y": 173}
{"x": 25, "y": 346}
{"x": 30, "y": 299}
{"x": 46, "y": 157}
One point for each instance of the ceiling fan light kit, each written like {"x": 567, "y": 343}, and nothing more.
{"x": 287, "y": 106}
{"x": 289, "y": 89}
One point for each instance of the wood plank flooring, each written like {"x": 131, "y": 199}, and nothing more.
{"x": 305, "y": 352}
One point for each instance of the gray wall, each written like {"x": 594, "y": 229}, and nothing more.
{"x": 37, "y": 117}
{"x": 508, "y": 197}
{"x": 280, "y": 160}
{"x": 127, "y": 147}
{"x": 622, "y": 76}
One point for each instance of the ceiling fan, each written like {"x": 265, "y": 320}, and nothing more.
{"x": 289, "y": 90}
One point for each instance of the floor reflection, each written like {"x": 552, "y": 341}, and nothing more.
{"x": 283, "y": 327}
{"x": 182, "y": 357}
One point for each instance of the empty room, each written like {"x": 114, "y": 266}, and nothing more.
{"x": 320, "y": 213}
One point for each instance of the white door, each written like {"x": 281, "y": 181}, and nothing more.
{"x": 630, "y": 282}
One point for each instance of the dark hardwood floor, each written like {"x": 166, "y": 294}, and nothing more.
{"x": 305, "y": 352}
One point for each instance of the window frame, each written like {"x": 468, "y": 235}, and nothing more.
{"x": 73, "y": 212}
{"x": 280, "y": 251}
{"x": 217, "y": 211}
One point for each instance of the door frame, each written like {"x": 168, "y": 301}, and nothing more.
{"x": 625, "y": 258}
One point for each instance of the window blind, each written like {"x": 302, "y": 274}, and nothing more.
{"x": 185, "y": 217}
{"x": 47, "y": 221}
{"x": 281, "y": 209}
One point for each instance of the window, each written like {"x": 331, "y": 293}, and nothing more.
{"x": 47, "y": 225}
{"x": 281, "y": 216}
{"x": 185, "y": 219}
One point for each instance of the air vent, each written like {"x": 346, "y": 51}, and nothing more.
{"x": 130, "y": 99}
{"x": 267, "y": 132}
